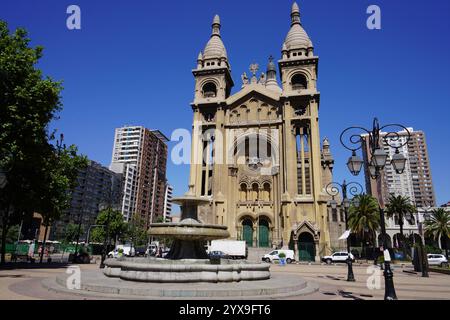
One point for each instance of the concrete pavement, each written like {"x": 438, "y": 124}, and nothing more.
{"x": 26, "y": 283}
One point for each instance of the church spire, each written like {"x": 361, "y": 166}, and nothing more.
{"x": 215, "y": 48}
{"x": 216, "y": 26}
{"x": 295, "y": 14}
{"x": 297, "y": 38}
{"x": 271, "y": 82}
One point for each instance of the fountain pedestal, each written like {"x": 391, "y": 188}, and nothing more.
{"x": 189, "y": 234}
{"x": 187, "y": 260}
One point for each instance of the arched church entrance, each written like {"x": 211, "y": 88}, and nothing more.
{"x": 306, "y": 247}
{"x": 247, "y": 231}
{"x": 263, "y": 226}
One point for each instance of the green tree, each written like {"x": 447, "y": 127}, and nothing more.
{"x": 71, "y": 233}
{"x": 117, "y": 227}
{"x": 364, "y": 219}
{"x": 57, "y": 179}
{"x": 438, "y": 226}
{"x": 136, "y": 230}
{"x": 27, "y": 104}
{"x": 400, "y": 207}
{"x": 13, "y": 234}
{"x": 37, "y": 176}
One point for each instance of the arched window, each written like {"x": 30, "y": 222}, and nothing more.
{"x": 266, "y": 191}
{"x": 255, "y": 190}
{"x": 299, "y": 81}
{"x": 243, "y": 191}
{"x": 209, "y": 90}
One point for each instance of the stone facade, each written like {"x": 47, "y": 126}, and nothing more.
{"x": 257, "y": 153}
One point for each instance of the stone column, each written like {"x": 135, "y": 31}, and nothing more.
{"x": 316, "y": 245}
{"x": 296, "y": 249}
{"x": 255, "y": 235}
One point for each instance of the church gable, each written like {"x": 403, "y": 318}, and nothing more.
{"x": 252, "y": 106}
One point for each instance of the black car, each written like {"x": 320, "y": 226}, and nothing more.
{"x": 140, "y": 251}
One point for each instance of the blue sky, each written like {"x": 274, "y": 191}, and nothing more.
{"x": 131, "y": 64}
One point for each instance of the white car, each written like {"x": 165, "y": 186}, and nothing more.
{"x": 437, "y": 260}
{"x": 128, "y": 251}
{"x": 274, "y": 255}
{"x": 340, "y": 256}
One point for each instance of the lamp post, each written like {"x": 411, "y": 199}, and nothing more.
{"x": 89, "y": 231}
{"x": 333, "y": 190}
{"x": 376, "y": 164}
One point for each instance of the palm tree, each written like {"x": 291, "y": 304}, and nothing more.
{"x": 364, "y": 219}
{"x": 399, "y": 206}
{"x": 439, "y": 226}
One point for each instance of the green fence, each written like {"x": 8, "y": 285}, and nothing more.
{"x": 22, "y": 248}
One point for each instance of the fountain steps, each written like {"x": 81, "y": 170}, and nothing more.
{"x": 97, "y": 285}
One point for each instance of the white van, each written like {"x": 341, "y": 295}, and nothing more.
{"x": 273, "y": 255}
{"x": 128, "y": 251}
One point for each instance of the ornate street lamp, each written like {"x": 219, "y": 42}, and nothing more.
{"x": 376, "y": 163}
{"x": 398, "y": 162}
{"x": 354, "y": 164}
{"x": 353, "y": 188}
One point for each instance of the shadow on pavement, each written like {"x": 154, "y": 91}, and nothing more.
{"x": 36, "y": 265}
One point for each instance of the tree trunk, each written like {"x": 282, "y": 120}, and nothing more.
{"x": 4, "y": 232}
{"x": 43, "y": 243}
{"x": 403, "y": 241}
{"x": 5, "y": 228}
{"x": 445, "y": 247}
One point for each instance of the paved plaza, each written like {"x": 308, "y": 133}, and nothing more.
{"x": 328, "y": 283}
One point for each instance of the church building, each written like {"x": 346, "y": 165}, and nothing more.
{"x": 257, "y": 154}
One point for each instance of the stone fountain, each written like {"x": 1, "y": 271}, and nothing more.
{"x": 187, "y": 260}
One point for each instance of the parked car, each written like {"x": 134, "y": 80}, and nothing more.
{"x": 165, "y": 252}
{"x": 218, "y": 254}
{"x": 140, "y": 251}
{"x": 340, "y": 256}
{"x": 128, "y": 251}
{"x": 437, "y": 260}
{"x": 274, "y": 255}
{"x": 152, "y": 248}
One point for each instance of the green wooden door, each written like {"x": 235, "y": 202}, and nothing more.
{"x": 306, "y": 251}
{"x": 306, "y": 247}
{"x": 247, "y": 234}
{"x": 263, "y": 235}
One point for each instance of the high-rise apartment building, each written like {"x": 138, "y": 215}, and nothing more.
{"x": 415, "y": 182}
{"x": 140, "y": 155}
{"x": 96, "y": 185}
{"x": 168, "y": 203}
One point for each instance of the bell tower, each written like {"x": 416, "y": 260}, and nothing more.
{"x": 213, "y": 81}
{"x": 213, "y": 85}
{"x": 304, "y": 206}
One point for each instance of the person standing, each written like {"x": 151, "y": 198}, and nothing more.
{"x": 31, "y": 251}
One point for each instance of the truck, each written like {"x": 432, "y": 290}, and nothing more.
{"x": 232, "y": 249}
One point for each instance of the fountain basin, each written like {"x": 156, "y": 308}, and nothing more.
{"x": 184, "y": 270}
{"x": 189, "y": 230}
